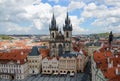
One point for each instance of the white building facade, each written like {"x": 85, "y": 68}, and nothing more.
{"x": 67, "y": 65}
{"x": 12, "y": 70}
{"x": 50, "y": 65}
{"x": 34, "y": 61}
{"x": 13, "y": 65}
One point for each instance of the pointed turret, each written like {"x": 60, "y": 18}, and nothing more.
{"x": 68, "y": 25}
{"x": 67, "y": 20}
{"x": 53, "y": 25}
{"x": 53, "y": 21}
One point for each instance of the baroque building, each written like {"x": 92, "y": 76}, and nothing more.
{"x": 13, "y": 64}
{"x": 60, "y": 43}
{"x": 50, "y": 65}
{"x": 34, "y": 61}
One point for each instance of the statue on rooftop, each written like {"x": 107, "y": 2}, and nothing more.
{"x": 110, "y": 38}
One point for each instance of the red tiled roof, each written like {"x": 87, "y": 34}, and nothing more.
{"x": 44, "y": 52}
{"x": 14, "y": 55}
{"x": 101, "y": 59}
{"x": 98, "y": 56}
{"x": 110, "y": 73}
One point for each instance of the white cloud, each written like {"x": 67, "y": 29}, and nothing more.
{"x": 12, "y": 28}
{"x": 21, "y": 12}
{"x": 60, "y": 14}
{"x": 34, "y": 16}
{"x": 106, "y": 18}
{"x": 75, "y": 5}
{"x": 76, "y": 25}
{"x": 92, "y": 10}
{"x": 113, "y": 2}
{"x": 38, "y": 24}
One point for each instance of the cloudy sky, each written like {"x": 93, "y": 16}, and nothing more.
{"x": 33, "y": 16}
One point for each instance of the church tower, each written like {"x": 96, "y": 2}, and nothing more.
{"x": 53, "y": 29}
{"x": 60, "y": 43}
{"x": 67, "y": 28}
{"x": 53, "y": 32}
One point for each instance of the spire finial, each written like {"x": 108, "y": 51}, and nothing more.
{"x": 67, "y": 20}
{"x": 53, "y": 22}
{"x": 67, "y": 14}
{"x": 53, "y": 14}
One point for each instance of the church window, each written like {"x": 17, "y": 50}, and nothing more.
{"x": 53, "y": 35}
{"x": 60, "y": 49}
{"x": 35, "y": 60}
{"x": 67, "y": 34}
{"x": 48, "y": 71}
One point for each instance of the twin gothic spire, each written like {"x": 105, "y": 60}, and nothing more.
{"x": 67, "y": 26}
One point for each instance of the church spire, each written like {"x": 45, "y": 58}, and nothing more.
{"x": 67, "y": 20}
{"x": 53, "y": 25}
{"x": 68, "y": 25}
{"x": 53, "y": 22}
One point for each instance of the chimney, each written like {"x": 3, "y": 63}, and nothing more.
{"x": 105, "y": 53}
{"x": 18, "y": 61}
{"x": 24, "y": 60}
{"x": 116, "y": 71}
{"x": 110, "y": 65}
{"x": 21, "y": 53}
{"x": 108, "y": 60}
{"x": 116, "y": 56}
{"x": 118, "y": 65}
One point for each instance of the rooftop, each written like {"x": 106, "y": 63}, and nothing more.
{"x": 34, "y": 51}
{"x": 14, "y": 56}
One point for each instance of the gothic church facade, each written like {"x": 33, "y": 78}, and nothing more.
{"x": 60, "y": 43}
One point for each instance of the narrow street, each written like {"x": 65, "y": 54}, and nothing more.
{"x": 87, "y": 73}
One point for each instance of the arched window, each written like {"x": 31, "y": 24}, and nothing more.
{"x": 67, "y": 34}
{"x": 53, "y": 35}
{"x": 33, "y": 71}
{"x": 60, "y": 49}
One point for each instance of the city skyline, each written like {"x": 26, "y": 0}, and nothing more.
{"x": 33, "y": 17}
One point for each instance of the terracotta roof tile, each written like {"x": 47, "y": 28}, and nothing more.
{"x": 14, "y": 55}
{"x": 44, "y": 52}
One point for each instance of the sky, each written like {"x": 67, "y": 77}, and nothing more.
{"x": 34, "y": 16}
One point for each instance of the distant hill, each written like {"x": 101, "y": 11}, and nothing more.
{"x": 103, "y": 34}
{"x": 5, "y": 37}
